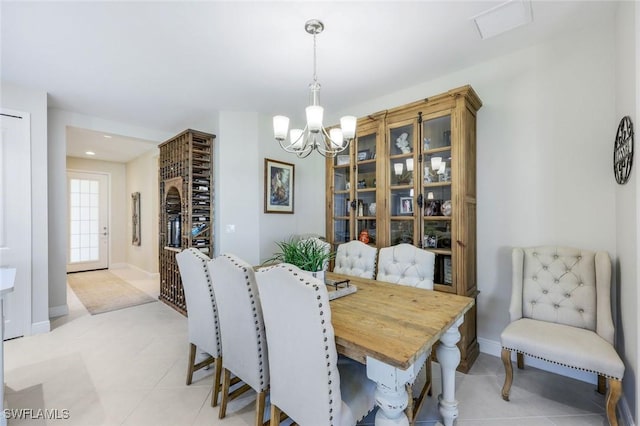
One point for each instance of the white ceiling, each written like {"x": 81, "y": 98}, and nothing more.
{"x": 165, "y": 65}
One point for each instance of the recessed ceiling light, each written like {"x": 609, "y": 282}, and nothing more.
{"x": 503, "y": 17}
{"x": 107, "y": 136}
{"x": 90, "y": 153}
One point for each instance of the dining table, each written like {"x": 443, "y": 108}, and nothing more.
{"x": 391, "y": 328}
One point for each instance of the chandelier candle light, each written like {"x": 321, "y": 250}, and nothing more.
{"x": 314, "y": 135}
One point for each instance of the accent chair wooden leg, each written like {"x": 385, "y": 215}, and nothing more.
{"x": 260, "y": 402}
{"x": 508, "y": 370}
{"x": 192, "y": 362}
{"x": 216, "y": 382}
{"x": 602, "y": 385}
{"x": 275, "y": 415}
{"x": 520, "y": 358}
{"x": 226, "y": 379}
{"x": 613, "y": 395}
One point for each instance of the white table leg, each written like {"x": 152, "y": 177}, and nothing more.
{"x": 391, "y": 393}
{"x": 449, "y": 359}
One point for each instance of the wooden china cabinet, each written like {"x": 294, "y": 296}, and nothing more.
{"x": 410, "y": 177}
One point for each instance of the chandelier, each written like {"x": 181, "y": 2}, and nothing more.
{"x": 314, "y": 136}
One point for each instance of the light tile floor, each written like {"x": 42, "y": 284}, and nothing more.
{"x": 128, "y": 367}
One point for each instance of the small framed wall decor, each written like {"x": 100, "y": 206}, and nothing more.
{"x": 623, "y": 151}
{"x": 135, "y": 218}
{"x": 278, "y": 186}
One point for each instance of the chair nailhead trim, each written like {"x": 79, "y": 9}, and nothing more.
{"x": 563, "y": 364}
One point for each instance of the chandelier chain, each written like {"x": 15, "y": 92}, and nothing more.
{"x": 315, "y": 74}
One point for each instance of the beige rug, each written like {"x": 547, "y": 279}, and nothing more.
{"x": 101, "y": 291}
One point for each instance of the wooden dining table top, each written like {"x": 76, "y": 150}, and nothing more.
{"x": 392, "y": 323}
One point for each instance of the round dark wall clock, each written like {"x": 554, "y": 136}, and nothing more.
{"x": 623, "y": 151}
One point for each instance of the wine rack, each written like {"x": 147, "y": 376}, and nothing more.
{"x": 186, "y": 207}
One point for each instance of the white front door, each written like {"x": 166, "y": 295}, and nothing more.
{"x": 88, "y": 195}
{"x": 15, "y": 217}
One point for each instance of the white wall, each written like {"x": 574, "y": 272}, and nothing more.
{"x": 142, "y": 177}
{"x": 244, "y": 140}
{"x": 309, "y": 194}
{"x": 118, "y": 203}
{"x": 34, "y": 102}
{"x": 627, "y": 201}
{"x": 58, "y": 120}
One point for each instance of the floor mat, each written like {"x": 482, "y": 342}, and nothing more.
{"x": 101, "y": 291}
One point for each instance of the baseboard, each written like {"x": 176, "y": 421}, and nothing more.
{"x": 58, "y": 311}
{"x": 150, "y": 275}
{"x": 491, "y": 347}
{"x": 494, "y": 348}
{"x": 40, "y": 327}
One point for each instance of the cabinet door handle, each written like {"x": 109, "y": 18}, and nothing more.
{"x": 460, "y": 243}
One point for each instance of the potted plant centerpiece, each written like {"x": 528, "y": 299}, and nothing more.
{"x": 311, "y": 255}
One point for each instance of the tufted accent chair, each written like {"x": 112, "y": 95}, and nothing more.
{"x": 408, "y": 265}
{"x": 357, "y": 259}
{"x": 308, "y": 383}
{"x": 242, "y": 330}
{"x": 202, "y": 320}
{"x": 561, "y": 312}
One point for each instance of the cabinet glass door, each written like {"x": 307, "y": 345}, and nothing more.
{"x": 401, "y": 175}
{"x": 366, "y": 184}
{"x": 341, "y": 199}
{"x": 437, "y": 195}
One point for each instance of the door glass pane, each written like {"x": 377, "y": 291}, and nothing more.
{"x": 436, "y": 133}
{"x": 84, "y": 229}
{"x": 366, "y": 148}
{"x": 401, "y": 231}
{"x": 341, "y": 231}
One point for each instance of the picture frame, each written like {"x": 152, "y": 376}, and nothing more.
{"x": 135, "y": 219}
{"x": 279, "y": 179}
{"x": 430, "y": 241}
{"x": 406, "y": 205}
{"x": 447, "y": 273}
{"x": 363, "y": 155}
{"x": 341, "y": 160}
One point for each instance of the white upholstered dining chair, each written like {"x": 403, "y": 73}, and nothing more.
{"x": 357, "y": 259}
{"x": 408, "y": 265}
{"x": 202, "y": 319}
{"x": 561, "y": 312}
{"x": 242, "y": 331}
{"x": 308, "y": 383}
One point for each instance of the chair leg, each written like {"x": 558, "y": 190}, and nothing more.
{"x": 275, "y": 415}
{"x": 408, "y": 411}
{"x": 613, "y": 395}
{"x": 226, "y": 379}
{"x": 508, "y": 370}
{"x": 602, "y": 385}
{"x": 216, "y": 382}
{"x": 520, "y": 358}
{"x": 192, "y": 362}
{"x": 260, "y": 402}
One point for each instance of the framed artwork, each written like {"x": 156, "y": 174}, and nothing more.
{"x": 135, "y": 218}
{"x": 406, "y": 205}
{"x": 278, "y": 186}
